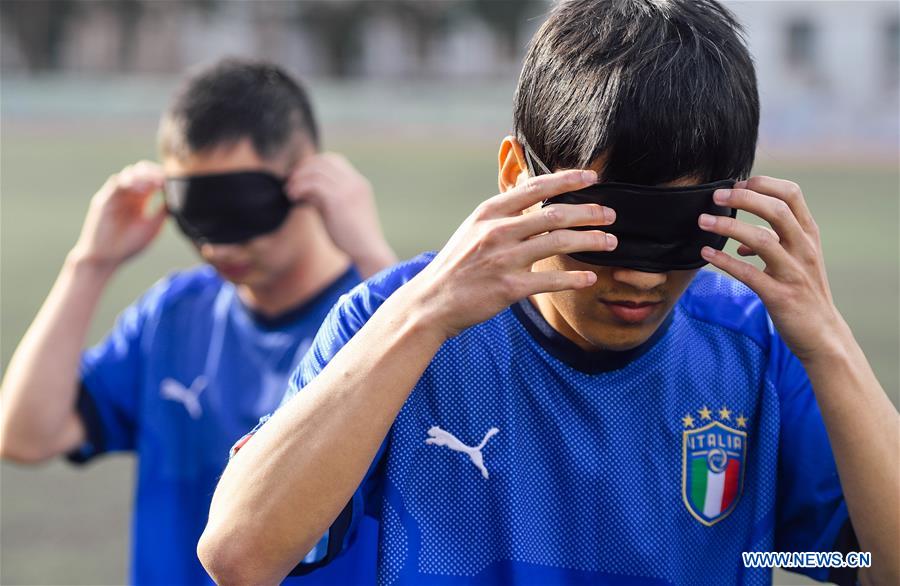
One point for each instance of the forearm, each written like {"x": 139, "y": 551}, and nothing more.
{"x": 864, "y": 430}
{"x": 287, "y": 485}
{"x": 41, "y": 381}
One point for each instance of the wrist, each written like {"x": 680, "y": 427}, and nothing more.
{"x": 835, "y": 346}
{"x": 83, "y": 262}
{"x": 421, "y": 311}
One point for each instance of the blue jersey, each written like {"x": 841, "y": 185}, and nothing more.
{"x": 519, "y": 458}
{"x": 185, "y": 372}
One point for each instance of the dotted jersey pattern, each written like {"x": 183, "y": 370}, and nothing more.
{"x": 586, "y": 471}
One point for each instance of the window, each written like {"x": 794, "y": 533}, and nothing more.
{"x": 801, "y": 44}
{"x": 892, "y": 52}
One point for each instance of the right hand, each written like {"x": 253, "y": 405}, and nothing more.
{"x": 117, "y": 225}
{"x": 487, "y": 264}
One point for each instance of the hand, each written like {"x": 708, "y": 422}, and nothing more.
{"x": 117, "y": 225}
{"x": 487, "y": 263}
{"x": 793, "y": 285}
{"x": 345, "y": 201}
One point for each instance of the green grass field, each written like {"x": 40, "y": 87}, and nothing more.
{"x": 69, "y": 526}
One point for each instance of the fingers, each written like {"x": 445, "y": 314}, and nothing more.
{"x": 535, "y": 190}
{"x": 304, "y": 189}
{"x": 775, "y": 211}
{"x": 322, "y": 164}
{"x": 558, "y": 216}
{"x": 763, "y": 242}
{"x": 564, "y": 242}
{"x": 744, "y": 250}
{"x": 333, "y": 162}
{"x": 551, "y": 281}
{"x": 325, "y": 174}
{"x": 739, "y": 269}
{"x": 788, "y": 192}
{"x": 301, "y": 179}
{"x": 142, "y": 178}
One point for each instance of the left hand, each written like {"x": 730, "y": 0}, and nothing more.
{"x": 346, "y": 203}
{"x": 793, "y": 286}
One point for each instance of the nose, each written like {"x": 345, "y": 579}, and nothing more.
{"x": 639, "y": 279}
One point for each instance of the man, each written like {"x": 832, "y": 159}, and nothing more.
{"x": 284, "y": 231}
{"x": 541, "y": 403}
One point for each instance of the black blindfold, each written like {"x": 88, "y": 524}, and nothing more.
{"x": 656, "y": 226}
{"x": 227, "y": 208}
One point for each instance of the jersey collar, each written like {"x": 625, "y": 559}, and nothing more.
{"x": 568, "y": 352}
{"x": 331, "y": 292}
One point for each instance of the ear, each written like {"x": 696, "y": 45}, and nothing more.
{"x": 511, "y": 164}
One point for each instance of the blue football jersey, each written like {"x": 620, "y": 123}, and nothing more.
{"x": 183, "y": 374}
{"x": 520, "y": 458}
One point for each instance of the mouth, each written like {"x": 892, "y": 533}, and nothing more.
{"x": 233, "y": 271}
{"x": 632, "y": 312}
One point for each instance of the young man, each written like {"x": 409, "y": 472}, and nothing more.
{"x": 541, "y": 403}
{"x": 284, "y": 231}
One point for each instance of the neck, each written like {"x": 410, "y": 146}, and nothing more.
{"x": 310, "y": 275}
{"x": 552, "y": 316}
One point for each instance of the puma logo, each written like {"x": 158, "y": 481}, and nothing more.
{"x": 439, "y": 437}
{"x": 174, "y": 391}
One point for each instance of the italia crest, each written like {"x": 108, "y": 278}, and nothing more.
{"x": 713, "y": 457}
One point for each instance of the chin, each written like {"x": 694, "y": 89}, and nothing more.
{"x": 620, "y": 341}
{"x": 251, "y": 279}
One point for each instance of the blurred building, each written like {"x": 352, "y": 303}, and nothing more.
{"x": 323, "y": 38}
{"x": 829, "y": 72}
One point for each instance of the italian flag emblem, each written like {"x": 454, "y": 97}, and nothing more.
{"x": 713, "y": 465}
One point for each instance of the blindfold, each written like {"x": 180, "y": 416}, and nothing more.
{"x": 656, "y": 226}
{"x": 227, "y": 208}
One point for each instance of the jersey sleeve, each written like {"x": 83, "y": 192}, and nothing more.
{"x": 811, "y": 514}
{"x": 110, "y": 382}
{"x": 344, "y": 320}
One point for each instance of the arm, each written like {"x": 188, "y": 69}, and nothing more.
{"x": 314, "y": 452}
{"x": 864, "y": 428}
{"x": 345, "y": 200}
{"x": 862, "y": 425}
{"x": 38, "y": 417}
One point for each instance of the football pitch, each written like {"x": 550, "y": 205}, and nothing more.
{"x": 65, "y": 525}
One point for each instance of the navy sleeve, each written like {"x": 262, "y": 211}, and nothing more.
{"x": 110, "y": 382}
{"x": 811, "y": 514}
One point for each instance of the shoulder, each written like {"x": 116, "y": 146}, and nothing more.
{"x": 724, "y": 302}
{"x": 181, "y": 289}
{"x": 350, "y": 314}
{"x": 389, "y": 280}
{"x": 364, "y": 299}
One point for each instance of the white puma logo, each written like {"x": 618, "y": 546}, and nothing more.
{"x": 439, "y": 437}
{"x": 173, "y": 390}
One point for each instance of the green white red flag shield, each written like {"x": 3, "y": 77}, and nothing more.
{"x": 713, "y": 471}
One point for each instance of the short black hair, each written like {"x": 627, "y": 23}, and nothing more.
{"x": 235, "y": 99}
{"x": 665, "y": 89}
